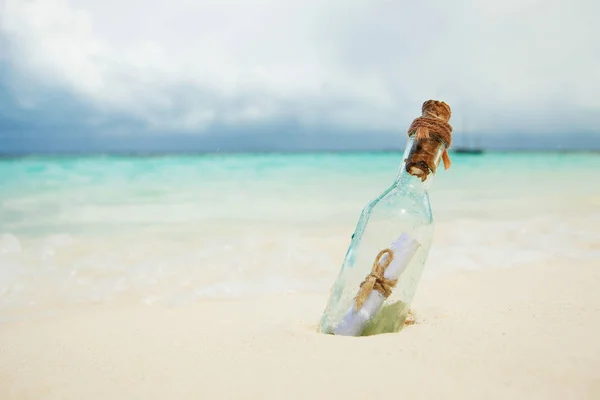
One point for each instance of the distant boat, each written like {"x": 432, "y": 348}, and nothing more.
{"x": 468, "y": 150}
{"x": 472, "y": 149}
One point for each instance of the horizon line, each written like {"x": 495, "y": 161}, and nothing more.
{"x": 150, "y": 153}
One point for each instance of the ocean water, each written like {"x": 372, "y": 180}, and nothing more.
{"x": 172, "y": 230}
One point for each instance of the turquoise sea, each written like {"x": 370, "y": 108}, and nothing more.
{"x": 180, "y": 228}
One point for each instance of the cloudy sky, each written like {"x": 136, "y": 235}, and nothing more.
{"x": 86, "y": 75}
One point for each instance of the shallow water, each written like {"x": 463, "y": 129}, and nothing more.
{"x": 174, "y": 229}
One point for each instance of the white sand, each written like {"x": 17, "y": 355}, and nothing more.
{"x": 524, "y": 333}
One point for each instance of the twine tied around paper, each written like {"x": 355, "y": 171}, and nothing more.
{"x": 375, "y": 280}
{"x": 429, "y": 129}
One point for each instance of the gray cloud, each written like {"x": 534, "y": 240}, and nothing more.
{"x": 231, "y": 73}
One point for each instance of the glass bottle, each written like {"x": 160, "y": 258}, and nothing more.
{"x": 399, "y": 219}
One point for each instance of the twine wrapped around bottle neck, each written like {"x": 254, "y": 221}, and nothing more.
{"x": 376, "y": 280}
{"x": 429, "y": 130}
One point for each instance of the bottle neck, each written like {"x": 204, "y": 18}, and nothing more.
{"x": 419, "y": 163}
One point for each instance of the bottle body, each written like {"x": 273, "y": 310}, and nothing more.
{"x": 401, "y": 213}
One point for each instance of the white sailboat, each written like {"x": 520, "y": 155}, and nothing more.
{"x": 469, "y": 148}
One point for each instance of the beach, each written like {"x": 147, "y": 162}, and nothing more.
{"x": 526, "y": 333}
{"x": 206, "y": 278}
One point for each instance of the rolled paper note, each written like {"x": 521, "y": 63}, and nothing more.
{"x": 354, "y": 321}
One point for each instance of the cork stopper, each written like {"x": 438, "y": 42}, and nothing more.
{"x": 432, "y": 137}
